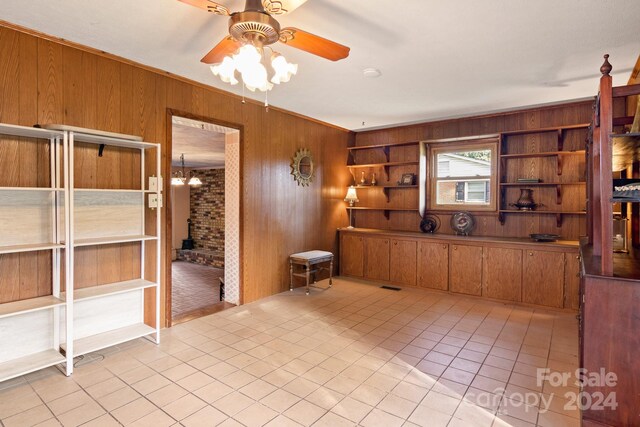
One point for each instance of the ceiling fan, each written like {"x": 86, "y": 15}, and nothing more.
{"x": 254, "y": 29}
{"x": 256, "y": 25}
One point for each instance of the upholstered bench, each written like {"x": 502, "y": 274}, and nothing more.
{"x": 311, "y": 263}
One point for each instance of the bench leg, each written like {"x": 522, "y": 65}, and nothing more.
{"x": 308, "y": 276}
{"x": 331, "y": 272}
{"x": 290, "y": 275}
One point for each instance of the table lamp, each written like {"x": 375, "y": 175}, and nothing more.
{"x": 351, "y": 197}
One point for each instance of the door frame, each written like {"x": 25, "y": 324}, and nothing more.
{"x": 167, "y": 202}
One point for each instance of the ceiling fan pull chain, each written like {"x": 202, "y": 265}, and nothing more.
{"x": 266, "y": 101}
{"x": 243, "y": 86}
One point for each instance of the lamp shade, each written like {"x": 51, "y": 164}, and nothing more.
{"x": 194, "y": 181}
{"x": 351, "y": 196}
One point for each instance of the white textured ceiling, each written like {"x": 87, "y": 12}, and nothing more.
{"x": 438, "y": 58}
{"x": 201, "y": 143}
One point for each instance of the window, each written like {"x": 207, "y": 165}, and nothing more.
{"x": 462, "y": 176}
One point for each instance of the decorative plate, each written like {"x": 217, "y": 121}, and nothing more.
{"x": 429, "y": 224}
{"x": 462, "y": 223}
{"x": 542, "y": 237}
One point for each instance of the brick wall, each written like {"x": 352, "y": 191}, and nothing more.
{"x": 207, "y": 212}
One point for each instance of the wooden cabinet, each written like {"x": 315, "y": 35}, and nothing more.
{"x": 465, "y": 269}
{"x": 433, "y": 265}
{"x": 543, "y": 278}
{"x": 504, "y": 269}
{"x": 403, "y": 259}
{"x": 572, "y": 281}
{"x": 352, "y": 255}
{"x": 502, "y": 274}
{"x": 376, "y": 255}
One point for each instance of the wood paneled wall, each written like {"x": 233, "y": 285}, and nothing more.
{"x": 44, "y": 81}
{"x": 487, "y": 223}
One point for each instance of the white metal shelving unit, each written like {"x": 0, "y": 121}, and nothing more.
{"x": 112, "y": 313}
{"x": 30, "y": 222}
{"x": 48, "y": 330}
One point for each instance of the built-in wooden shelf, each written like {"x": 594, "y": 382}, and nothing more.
{"x": 558, "y": 214}
{"x": 543, "y": 154}
{"x": 111, "y": 240}
{"x": 545, "y": 130}
{"x": 23, "y": 365}
{"x": 28, "y": 305}
{"x": 29, "y": 248}
{"x": 386, "y": 165}
{"x": 386, "y": 188}
{"x": 110, "y": 289}
{"x": 370, "y": 187}
{"x": 543, "y": 212}
{"x": 540, "y": 184}
{"x": 110, "y": 338}
{"x": 370, "y": 147}
{"x": 386, "y": 211}
{"x": 626, "y": 135}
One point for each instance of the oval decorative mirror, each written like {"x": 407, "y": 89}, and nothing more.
{"x": 302, "y": 167}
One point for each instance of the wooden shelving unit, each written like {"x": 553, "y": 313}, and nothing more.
{"x": 549, "y": 162}
{"x": 390, "y": 166}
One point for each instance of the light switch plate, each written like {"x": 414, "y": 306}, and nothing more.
{"x": 155, "y": 201}
{"x": 154, "y": 182}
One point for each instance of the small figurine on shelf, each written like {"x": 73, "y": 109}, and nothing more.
{"x": 373, "y": 179}
{"x": 363, "y": 180}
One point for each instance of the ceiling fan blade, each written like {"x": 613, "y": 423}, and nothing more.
{"x": 281, "y": 7}
{"x": 209, "y": 6}
{"x": 313, "y": 44}
{"x": 226, "y": 47}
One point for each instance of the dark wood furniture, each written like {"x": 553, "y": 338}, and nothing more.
{"x": 610, "y": 283}
{"x": 507, "y": 269}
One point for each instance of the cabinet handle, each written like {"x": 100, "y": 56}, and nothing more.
{"x": 530, "y": 253}
{"x": 444, "y": 246}
{"x": 395, "y": 243}
{"x": 455, "y": 248}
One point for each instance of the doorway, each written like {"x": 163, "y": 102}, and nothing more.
{"x": 203, "y": 218}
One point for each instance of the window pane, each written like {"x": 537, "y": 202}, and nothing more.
{"x": 477, "y": 192}
{"x": 464, "y": 164}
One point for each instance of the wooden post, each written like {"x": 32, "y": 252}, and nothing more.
{"x": 606, "y": 170}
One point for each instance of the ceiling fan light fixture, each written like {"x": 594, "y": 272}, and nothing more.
{"x": 283, "y": 70}
{"x": 226, "y": 71}
{"x": 247, "y": 58}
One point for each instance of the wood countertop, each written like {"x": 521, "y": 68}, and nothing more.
{"x": 560, "y": 244}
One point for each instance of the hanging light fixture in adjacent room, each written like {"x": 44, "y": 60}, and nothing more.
{"x": 180, "y": 177}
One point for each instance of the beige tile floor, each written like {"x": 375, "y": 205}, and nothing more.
{"x": 351, "y": 355}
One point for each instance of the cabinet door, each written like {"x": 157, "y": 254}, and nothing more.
{"x": 502, "y": 274}
{"x": 403, "y": 259}
{"x": 572, "y": 281}
{"x": 543, "y": 278}
{"x": 352, "y": 255}
{"x": 433, "y": 265}
{"x": 465, "y": 269}
{"x": 376, "y": 258}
